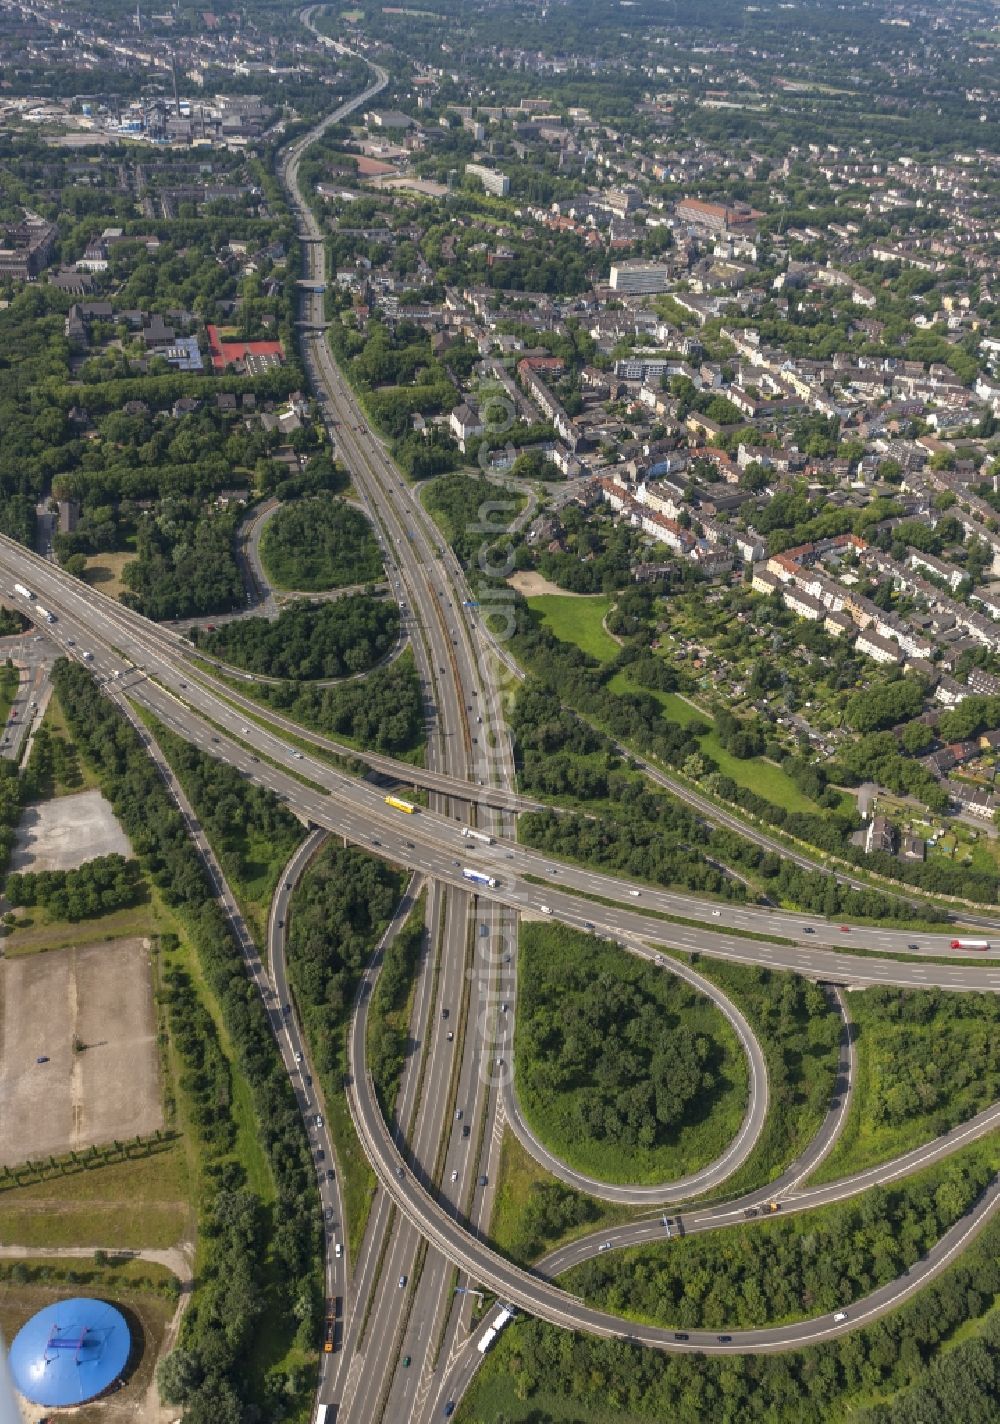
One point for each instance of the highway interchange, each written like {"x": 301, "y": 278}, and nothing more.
{"x": 433, "y": 1205}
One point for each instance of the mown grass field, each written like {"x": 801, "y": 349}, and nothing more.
{"x": 35, "y": 932}
{"x": 144, "y": 1202}
{"x": 579, "y": 619}
{"x": 104, "y": 571}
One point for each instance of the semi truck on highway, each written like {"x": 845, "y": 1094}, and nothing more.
{"x": 44, "y": 613}
{"x": 472, "y": 835}
{"x": 331, "y": 1324}
{"x": 980, "y": 944}
{"x": 478, "y": 878}
{"x": 24, "y": 592}
{"x": 507, "y": 1313}
{"x": 400, "y": 804}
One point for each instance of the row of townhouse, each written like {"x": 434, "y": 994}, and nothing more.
{"x": 982, "y": 629}
{"x": 565, "y": 426}
{"x": 669, "y": 498}
{"x": 713, "y": 558}
{"x": 811, "y": 593}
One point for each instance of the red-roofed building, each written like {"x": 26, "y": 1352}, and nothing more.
{"x": 548, "y": 365}
{"x": 248, "y": 353}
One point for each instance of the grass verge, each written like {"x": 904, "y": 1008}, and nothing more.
{"x": 144, "y": 1202}
{"x": 534, "y": 1212}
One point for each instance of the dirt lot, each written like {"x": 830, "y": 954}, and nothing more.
{"x": 98, "y": 996}
{"x": 66, "y": 832}
{"x": 533, "y": 585}
{"x": 104, "y": 571}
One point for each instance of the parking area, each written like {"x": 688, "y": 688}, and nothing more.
{"x": 88, "y": 1014}
{"x": 64, "y": 833}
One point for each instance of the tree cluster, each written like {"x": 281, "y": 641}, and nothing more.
{"x": 383, "y": 712}
{"x": 319, "y": 543}
{"x": 341, "y": 909}
{"x": 552, "y": 1209}
{"x": 875, "y": 708}
{"x": 937, "y": 1055}
{"x": 604, "y": 1050}
{"x": 186, "y": 566}
{"x": 109, "y": 882}
{"x": 473, "y": 514}
{"x": 212, "y": 1376}
{"x": 309, "y": 640}
{"x": 388, "y": 1029}
{"x": 12, "y": 793}
{"x": 742, "y": 737}
{"x": 53, "y": 762}
{"x": 885, "y": 1361}
{"x": 783, "y": 1270}
{"x": 236, "y": 813}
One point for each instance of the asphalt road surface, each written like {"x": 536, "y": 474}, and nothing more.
{"x": 150, "y": 665}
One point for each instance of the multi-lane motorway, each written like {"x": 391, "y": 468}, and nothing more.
{"x": 459, "y": 695}
{"x": 436, "y": 1181}
{"x": 159, "y": 675}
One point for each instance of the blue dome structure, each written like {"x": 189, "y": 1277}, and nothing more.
{"x": 69, "y": 1352}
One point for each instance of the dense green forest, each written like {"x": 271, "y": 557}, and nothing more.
{"x": 383, "y": 712}
{"x": 810, "y": 1264}
{"x": 309, "y": 640}
{"x": 253, "y": 1264}
{"x": 186, "y": 566}
{"x": 341, "y": 908}
{"x": 928, "y": 1059}
{"x": 11, "y": 798}
{"x": 937, "y": 1358}
{"x": 249, "y": 828}
{"x": 320, "y": 543}
{"x": 798, "y": 1029}
{"x": 473, "y": 514}
{"x": 339, "y": 912}
{"x": 388, "y": 1024}
{"x": 12, "y": 622}
{"x": 53, "y": 763}
{"x": 623, "y": 1069}
{"x": 109, "y": 882}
